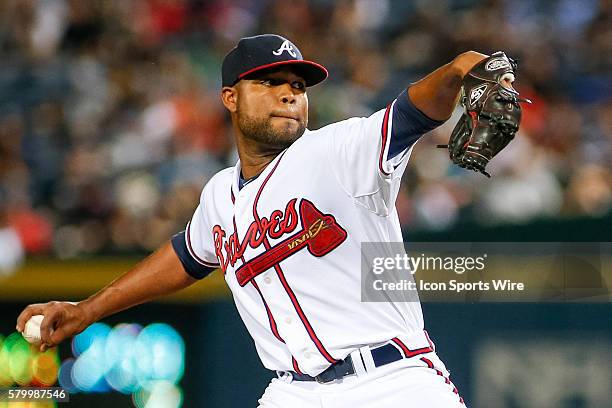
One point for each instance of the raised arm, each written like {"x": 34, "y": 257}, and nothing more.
{"x": 157, "y": 275}
{"x": 436, "y": 95}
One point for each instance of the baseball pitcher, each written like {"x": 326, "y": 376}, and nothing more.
{"x": 286, "y": 223}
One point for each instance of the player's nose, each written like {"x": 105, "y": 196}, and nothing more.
{"x": 287, "y": 94}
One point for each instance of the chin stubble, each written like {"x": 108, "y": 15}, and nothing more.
{"x": 261, "y": 130}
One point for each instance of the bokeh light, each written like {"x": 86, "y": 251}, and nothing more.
{"x": 65, "y": 376}
{"x": 45, "y": 367}
{"x": 5, "y": 378}
{"x": 121, "y": 358}
{"x": 19, "y": 358}
{"x": 158, "y": 394}
{"x": 22, "y": 364}
{"x": 96, "y": 333}
{"x": 147, "y": 363}
{"x": 88, "y": 370}
{"x": 162, "y": 352}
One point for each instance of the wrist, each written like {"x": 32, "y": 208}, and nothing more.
{"x": 463, "y": 63}
{"x": 90, "y": 311}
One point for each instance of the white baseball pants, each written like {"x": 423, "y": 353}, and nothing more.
{"x": 420, "y": 381}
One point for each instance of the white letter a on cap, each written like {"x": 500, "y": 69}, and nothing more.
{"x": 286, "y": 46}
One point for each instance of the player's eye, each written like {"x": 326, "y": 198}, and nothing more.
{"x": 272, "y": 81}
{"x": 298, "y": 85}
{"x": 277, "y": 82}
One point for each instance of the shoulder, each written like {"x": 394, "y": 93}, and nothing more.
{"x": 222, "y": 180}
{"x": 222, "y": 176}
{"x": 348, "y": 126}
{"x": 335, "y": 127}
{"x": 339, "y": 128}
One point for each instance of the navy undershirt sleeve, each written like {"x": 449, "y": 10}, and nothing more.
{"x": 191, "y": 266}
{"x": 409, "y": 124}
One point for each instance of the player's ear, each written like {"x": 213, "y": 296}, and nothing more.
{"x": 229, "y": 96}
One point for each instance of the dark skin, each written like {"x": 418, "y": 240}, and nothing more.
{"x": 277, "y": 100}
{"x": 269, "y": 112}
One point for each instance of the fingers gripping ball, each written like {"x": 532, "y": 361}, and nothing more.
{"x": 491, "y": 117}
{"x": 31, "y": 331}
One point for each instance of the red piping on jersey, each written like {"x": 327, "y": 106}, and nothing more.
{"x": 296, "y": 367}
{"x": 410, "y": 353}
{"x": 271, "y": 320}
{"x": 446, "y": 380}
{"x": 224, "y": 267}
{"x": 192, "y": 252}
{"x": 431, "y": 344}
{"x": 384, "y": 132}
{"x": 303, "y": 318}
{"x": 269, "y": 312}
{"x": 281, "y": 276}
{"x": 263, "y": 185}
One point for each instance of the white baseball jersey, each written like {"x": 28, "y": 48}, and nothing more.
{"x": 288, "y": 244}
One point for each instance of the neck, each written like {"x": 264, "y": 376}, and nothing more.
{"x": 254, "y": 157}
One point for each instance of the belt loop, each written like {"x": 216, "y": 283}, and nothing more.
{"x": 367, "y": 358}
{"x": 284, "y": 376}
{"x": 358, "y": 363}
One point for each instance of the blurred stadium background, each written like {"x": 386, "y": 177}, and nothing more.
{"x": 110, "y": 124}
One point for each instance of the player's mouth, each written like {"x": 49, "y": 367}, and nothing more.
{"x": 286, "y": 116}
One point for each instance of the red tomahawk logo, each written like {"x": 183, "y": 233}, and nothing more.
{"x": 320, "y": 234}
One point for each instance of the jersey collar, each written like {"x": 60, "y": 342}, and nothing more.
{"x": 235, "y": 189}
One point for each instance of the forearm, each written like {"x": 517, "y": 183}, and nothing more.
{"x": 159, "y": 274}
{"x": 436, "y": 95}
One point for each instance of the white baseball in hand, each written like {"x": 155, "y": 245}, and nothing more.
{"x": 31, "y": 332}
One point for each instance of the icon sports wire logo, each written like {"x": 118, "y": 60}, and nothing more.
{"x": 457, "y": 264}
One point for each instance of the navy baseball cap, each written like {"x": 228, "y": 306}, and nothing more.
{"x": 261, "y": 52}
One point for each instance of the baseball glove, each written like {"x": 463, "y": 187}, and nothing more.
{"x": 491, "y": 117}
